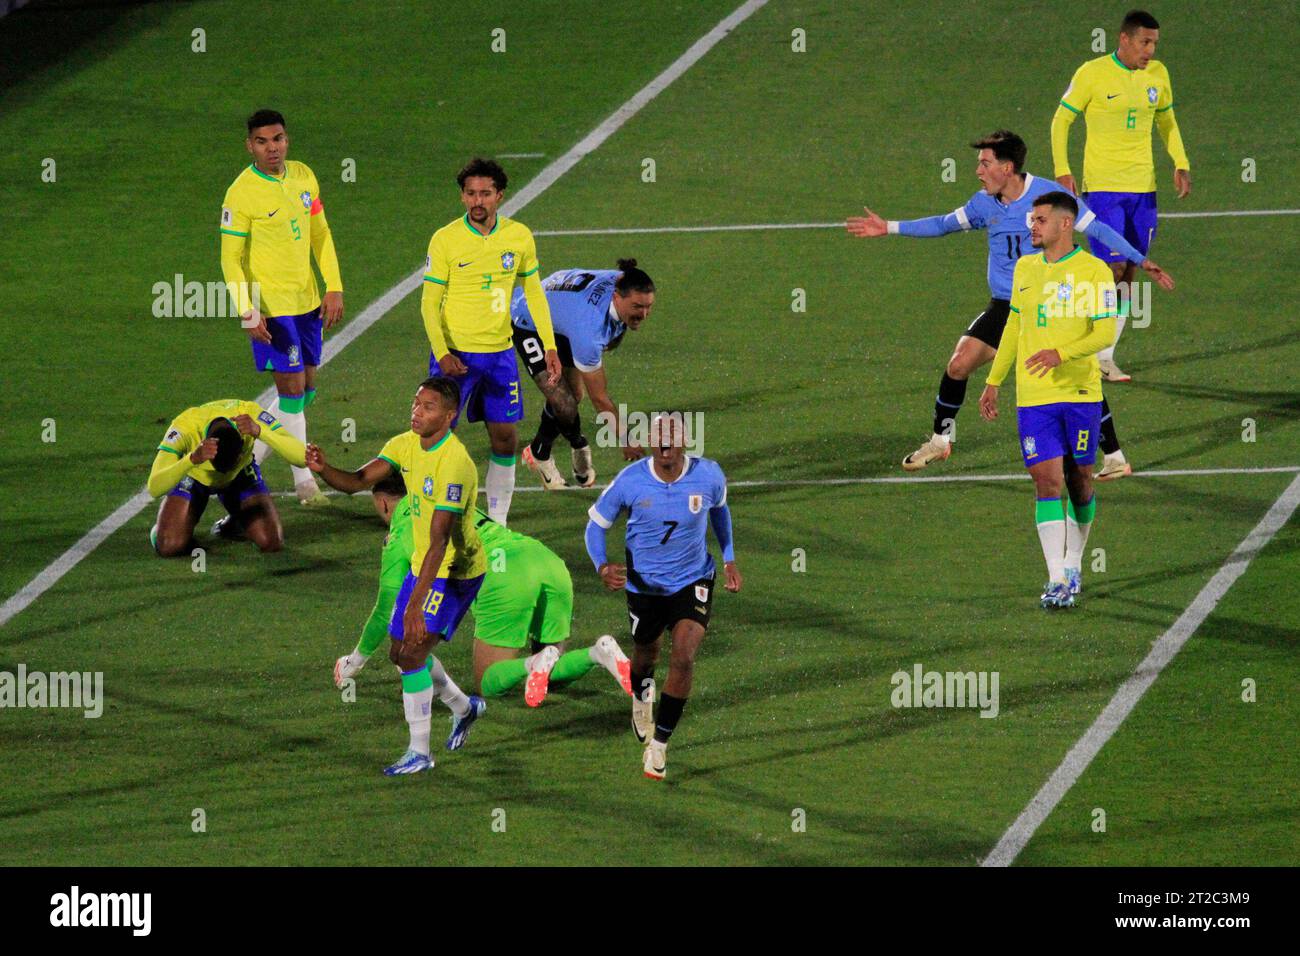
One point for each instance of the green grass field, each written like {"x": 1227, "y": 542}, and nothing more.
{"x": 218, "y": 683}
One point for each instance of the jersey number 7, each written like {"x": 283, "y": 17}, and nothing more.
{"x": 672, "y": 526}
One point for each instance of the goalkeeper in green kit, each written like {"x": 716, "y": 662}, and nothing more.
{"x": 526, "y": 601}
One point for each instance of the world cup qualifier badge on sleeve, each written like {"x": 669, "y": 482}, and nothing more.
{"x": 453, "y": 493}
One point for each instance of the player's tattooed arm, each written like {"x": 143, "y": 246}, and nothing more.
{"x": 348, "y": 482}
{"x": 1163, "y": 278}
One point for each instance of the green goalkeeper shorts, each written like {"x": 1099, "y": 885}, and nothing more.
{"x": 530, "y": 597}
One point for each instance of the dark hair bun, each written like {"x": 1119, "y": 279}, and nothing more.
{"x": 625, "y": 264}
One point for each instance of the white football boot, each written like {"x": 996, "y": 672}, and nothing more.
{"x": 936, "y": 448}
{"x": 655, "y": 761}
{"x": 544, "y": 469}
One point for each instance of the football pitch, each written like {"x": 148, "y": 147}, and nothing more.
{"x": 813, "y": 358}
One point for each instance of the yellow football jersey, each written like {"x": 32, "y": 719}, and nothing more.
{"x": 479, "y": 272}
{"x": 1119, "y": 106}
{"x": 1069, "y": 306}
{"x": 440, "y": 478}
{"x": 188, "y": 430}
{"x": 270, "y": 227}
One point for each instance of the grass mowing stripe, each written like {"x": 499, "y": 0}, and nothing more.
{"x": 1131, "y": 691}
{"x": 61, "y": 565}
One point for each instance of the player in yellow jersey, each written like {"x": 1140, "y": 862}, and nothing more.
{"x": 471, "y": 269}
{"x": 272, "y": 225}
{"x": 1062, "y": 315}
{"x": 447, "y": 560}
{"x": 1120, "y": 96}
{"x": 207, "y": 450}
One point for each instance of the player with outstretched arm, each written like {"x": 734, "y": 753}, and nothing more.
{"x": 447, "y": 563}
{"x": 1062, "y": 314}
{"x": 1002, "y": 207}
{"x": 671, "y": 499}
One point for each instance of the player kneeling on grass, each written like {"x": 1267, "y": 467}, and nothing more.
{"x": 446, "y": 565}
{"x": 526, "y": 594}
{"x": 671, "y": 499}
{"x": 591, "y": 311}
{"x": 1062, "y": 314}
{"x": 207, "y": 450}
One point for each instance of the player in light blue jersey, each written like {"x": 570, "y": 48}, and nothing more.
{"x": 591, "y": 310}
{"x": 671, "y": 500}
{"x": 1002, "y": 207}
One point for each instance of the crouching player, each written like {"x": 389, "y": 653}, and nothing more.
{"x": 446, "y": 567}
{"x": 1062, "y": 314}
{"x": 207, "y": 450}
{"x": 527, "y": 596}
{"x": 670, "y": 500}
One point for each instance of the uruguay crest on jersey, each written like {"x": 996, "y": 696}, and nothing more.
{"x": 695, "y": 503}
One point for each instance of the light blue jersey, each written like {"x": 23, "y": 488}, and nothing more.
{"x": 582, "y": 310}
{"x": 667, "y": 524}
{"x": 1008, "y": 229}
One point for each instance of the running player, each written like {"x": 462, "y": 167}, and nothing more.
{"x": 592, "y": 310}
{"x": 1062, "y": 314}
{"x": 1120, "y": 95}
{"x": 1003, "y": 208}
{"x": 671, "y": 500}
{"x": 272, "y": 224}
{"x": 527, "y": 596}
{"x": 207, "y": 450}
{"x": 446, "y": 567}
{"x": 471, "y": 268}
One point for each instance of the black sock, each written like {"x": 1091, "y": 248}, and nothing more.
{"x": 572, "y": 432}
{"x": 548, "y": 429}
{"x": 1109, "y": 440}
{"x": 670, "y": 711}
{"x": 951, "y": 395}
{"x": 640, "y": 679}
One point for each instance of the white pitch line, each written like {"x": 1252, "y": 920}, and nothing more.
{"x": 520, "y": 155}
{"x": 927, "y": 479}
{"x": 765, "y": 226}
{"x": 61, "y": 565}
{"x": 1137, "y": 684}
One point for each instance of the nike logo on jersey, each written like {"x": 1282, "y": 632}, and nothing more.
{"x": 271, "y": 213}
{"x": 462, "y": 265}
{"x": 1023, "y": 288}
{"x": 1111, "y": 96}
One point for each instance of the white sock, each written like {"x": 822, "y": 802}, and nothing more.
{"x": 261, "y": 450}
{"x": 607, "y": 654}
{"x": 500, "y": 490}
{"x": 941, "y": 439}
{"x": 418, "y": 718}
{"x": 446, "y": 690}
{"x": 1116, "y": 455}
{"x": 1076, "y": 538}
{"x": 295, "y": 423}
{"x": 1051, "y": 535}
{"x": 1108, "y": 354}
